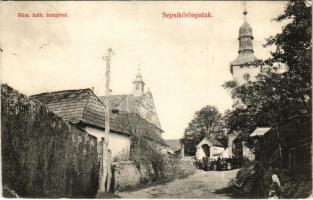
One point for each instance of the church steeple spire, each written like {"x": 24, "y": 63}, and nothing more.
{"x": 245, "y": 12}
{"x": 244, "y": 68}
{"x": 245, "y": 38}
{"x": 139, "y": 85}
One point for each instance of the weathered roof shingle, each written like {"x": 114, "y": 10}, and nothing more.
{"x": 83, "y": 106}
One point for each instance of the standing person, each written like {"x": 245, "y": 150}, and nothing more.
{"x": 275, "y": 190}
{"x": 214, "y": 165}
{"x": 205, "y": 163}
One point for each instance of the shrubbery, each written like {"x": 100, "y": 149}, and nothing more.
{"x": 146, "y": 153}
{"x": 42, "y": 156}
{"x": 249, "y": 185}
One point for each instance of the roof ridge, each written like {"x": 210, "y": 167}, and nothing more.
{"x": 98, "y": 97}
{"x": 118, "y": 95}
{"x": 58, "y": 92}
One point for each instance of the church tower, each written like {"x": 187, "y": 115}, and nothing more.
{"x": 138, "y": 85}
{"x": 243, "y": 68}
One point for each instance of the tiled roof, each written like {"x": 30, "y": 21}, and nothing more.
{"x": 174, "y": 144}
{"x": 78, "y": 106}
{"x": 68, "y": 104}
{"x": 130, "y": 103}
{"x": 222, "y": 141}
{"x": 210, "y": 141}
{"x": 135, "y": 124}
{"x": 215, "y": 142}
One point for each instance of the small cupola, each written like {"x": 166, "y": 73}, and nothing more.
{"x": 138, "y": 85}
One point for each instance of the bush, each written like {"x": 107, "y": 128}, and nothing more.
{"x": 146, "y": 153}
{"x": 42, "y": 156}
{"x": 249, "y": 185}
{"x": 297, "y": 188}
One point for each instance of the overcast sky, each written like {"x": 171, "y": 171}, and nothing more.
{"x": 183, "y": 61}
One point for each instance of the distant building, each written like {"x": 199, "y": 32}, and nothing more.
{"x": 140, "y": 101}
{"x": 211, "y": 148}
{"x": 234, "y": 145}
{"x": 244, "y": 67}
{"x": 139, "y": 105}
{"x": 175, "y": 145}
{"x": 217, "y": 147}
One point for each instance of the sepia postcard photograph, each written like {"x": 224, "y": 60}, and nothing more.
{"x": 156, "y": 99}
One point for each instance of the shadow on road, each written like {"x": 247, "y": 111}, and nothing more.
{"x": 232, "y": 192}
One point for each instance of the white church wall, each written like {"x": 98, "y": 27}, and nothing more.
{"x": 215, "y": 152}
{"x": 239, "y": 73}
{"x": 200, "y": 153}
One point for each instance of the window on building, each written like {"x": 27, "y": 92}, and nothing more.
{"x": 246, "y": 77}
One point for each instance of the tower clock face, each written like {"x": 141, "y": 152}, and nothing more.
{"x": 149, "y": 116}
{"x": 145, "y": 106}
{"x": 148, "y": 103}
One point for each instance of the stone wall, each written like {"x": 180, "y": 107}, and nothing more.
{"x": 178, "y": 167}
{"x": 128, "y": 175}
{"x": 42, "y": 156}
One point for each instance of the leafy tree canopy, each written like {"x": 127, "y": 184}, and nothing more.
{"x": 206, "y": 122}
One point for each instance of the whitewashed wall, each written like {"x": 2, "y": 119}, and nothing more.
{"x": 200, "y": 153}
{"x": 214, "y": 150}
{"x": 117, "y": 143}
{"x": 239, "y": 72}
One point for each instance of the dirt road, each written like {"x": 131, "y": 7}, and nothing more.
{"x": 199, "y": 185}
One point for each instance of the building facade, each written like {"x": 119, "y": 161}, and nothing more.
{"x": 83, "y": 108}
{"x": 211, "y": 148}
{"x": 137, "y": 111}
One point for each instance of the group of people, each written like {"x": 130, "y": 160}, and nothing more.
{"x": 219, "y": 164}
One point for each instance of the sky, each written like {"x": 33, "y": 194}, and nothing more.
{"x": 184, "y": 62}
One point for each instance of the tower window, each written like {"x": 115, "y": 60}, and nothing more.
{"x": 246, "y": 77}
{"x": 137, "y": 86}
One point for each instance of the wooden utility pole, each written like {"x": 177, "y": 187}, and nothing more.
{"x": 182, "y": 149}
{"x": 105, "y": 154}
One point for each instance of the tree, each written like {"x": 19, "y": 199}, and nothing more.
{"x": 278, "y": 94}
{"x": 294, "y": 50}
{"x": 206, "y": 122}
